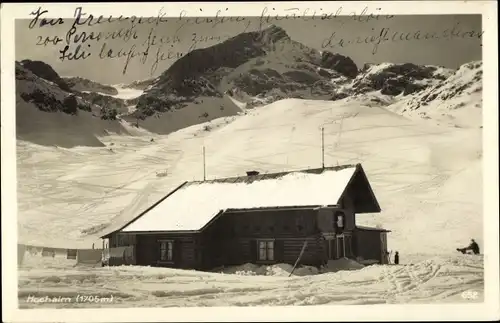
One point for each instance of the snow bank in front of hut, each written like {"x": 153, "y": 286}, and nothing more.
{"x": 426, "y": 279}
{"x": 282, "y": 270}
{"x": 342, "y": 264}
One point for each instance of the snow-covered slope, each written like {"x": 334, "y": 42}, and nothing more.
{"x": 427, "y": 178}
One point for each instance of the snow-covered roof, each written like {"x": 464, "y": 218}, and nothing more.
{"x": 194, "y": 204}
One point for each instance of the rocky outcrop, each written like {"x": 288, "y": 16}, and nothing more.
{"x": 46, "y": 95}
{"x": 467, "y": 81}
{"x": 106, "y": 101}
{"x": 81, "y": 84}
{"x": 393, "y": 79}
{"x": 141, "y": 85}
{"x": 342, "y": 64}
{"x": 45, "y": 71}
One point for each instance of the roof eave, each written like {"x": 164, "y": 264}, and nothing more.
{"x": 162, "y": 232}
{"x": 280, "y": 208}
{"x": 365, "y": 228}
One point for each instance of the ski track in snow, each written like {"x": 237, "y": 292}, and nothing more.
{"x": 424, "y": 281}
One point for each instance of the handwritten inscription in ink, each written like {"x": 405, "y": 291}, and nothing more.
{"x": 79, "y": 42}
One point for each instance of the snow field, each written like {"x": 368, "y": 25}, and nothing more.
{"x": 438, "y": 278}
{"x": 426, "y": 178}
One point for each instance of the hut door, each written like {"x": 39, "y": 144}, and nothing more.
{"x": 340, "y": 246}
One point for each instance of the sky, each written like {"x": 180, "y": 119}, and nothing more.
{"x": 404, "y": 41}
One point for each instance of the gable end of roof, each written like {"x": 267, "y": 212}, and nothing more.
{"x": 145, "y": 211}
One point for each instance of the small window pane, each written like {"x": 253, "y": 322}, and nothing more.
{"x": 270, "y": 254}
{"x": 262, "y": 254}
{"x": 340, "y": 221}
{"x": 266, "y": 250}
{"x": 166, "y": 250}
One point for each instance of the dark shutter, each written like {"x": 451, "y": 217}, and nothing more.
{"x": 279, "y": 250}
{"x": 253, "y": 251}
{"x": 325, "y": 220}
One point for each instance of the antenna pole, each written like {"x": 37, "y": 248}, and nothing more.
{"x": 340, "y": 129}
{"x": 340, "y": 134}
{"x": 323, "y": 147}
{"x": 204, "y": 166}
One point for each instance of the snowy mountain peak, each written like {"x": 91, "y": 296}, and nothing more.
{"x": 456, "y": 100}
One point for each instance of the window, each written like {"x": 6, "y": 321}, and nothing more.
{"x": 339, "y": 219}
{"x": 166, "y": 250}
{"x": 266, "y": 249}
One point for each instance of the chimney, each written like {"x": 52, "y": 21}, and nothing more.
{"x": 252, "y": 173}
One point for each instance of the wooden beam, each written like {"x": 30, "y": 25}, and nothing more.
{"x": 300, "y": 256}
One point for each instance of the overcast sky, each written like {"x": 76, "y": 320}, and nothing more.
{"x": 178, "y": 38}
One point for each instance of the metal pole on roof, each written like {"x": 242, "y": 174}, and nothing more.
{"x": 204, "y": 166}
{"x": 340, "y": 130}
{"x": 340, "y": 134}
{"x": 322, "y": 147}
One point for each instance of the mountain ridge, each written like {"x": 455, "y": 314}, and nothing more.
{"x": 247, "y": 71}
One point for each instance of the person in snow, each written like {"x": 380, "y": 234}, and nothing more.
{"x": 473, "y": 246}
{"x": 396, "y": 258}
